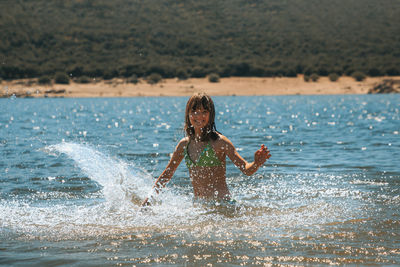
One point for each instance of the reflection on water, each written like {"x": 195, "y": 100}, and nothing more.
{"x": 74, "y": 171}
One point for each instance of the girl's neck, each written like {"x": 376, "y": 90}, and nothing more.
{"x": 197, "y": 135}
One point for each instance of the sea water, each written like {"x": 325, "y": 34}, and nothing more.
{"x": 73, "y": 173}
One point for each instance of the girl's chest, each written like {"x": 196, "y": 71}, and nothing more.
{"x": 201, "y": 151}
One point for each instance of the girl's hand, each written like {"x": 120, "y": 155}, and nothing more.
{"x": 146, "y": 202}
{"x": 261, "y": 155}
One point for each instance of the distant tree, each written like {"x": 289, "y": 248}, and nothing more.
{"x": 268, "y": 72}
{"x": 314, "y": 77}
{"x": 157, "y": 69}
{"x": 133, "y": 79}
{"x": 198, "y": 72}
{"x": 213, "y": 77}
{"x": 108, "y": 75}
{"x": 306, "y": 78}
{"x": 81, "y": 43}
{"x": 241, "y": 69}
{"x": 291, "y": 73}
{"x": 322, "y": 71}
{"x": 12, "y": 72}
{"x": 83, "y": 79}
{"x": 61, "y": 78}
{"x": 133, "y": 69}
{"x": 374, "y": 72}
{"x": 76, "y": 71}
{"x": 154, "y": 78}
{"x": 182, "y": 74}
{"x": 44, "y": 80}
{"x": 392, "y": 71}
{"x": 299, "y": 68}
{"x": 358, "y": 76}
{"x": 333, "y": 77}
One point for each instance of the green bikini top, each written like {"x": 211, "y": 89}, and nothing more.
{"x": 207, "y": 158}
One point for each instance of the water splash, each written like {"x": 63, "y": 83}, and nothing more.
{"x": 267, "y": 207}
{"x": 124, "y": 186}
{"x": 121, "y": 182}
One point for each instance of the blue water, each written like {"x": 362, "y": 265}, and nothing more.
{"x": 73, "y": 171}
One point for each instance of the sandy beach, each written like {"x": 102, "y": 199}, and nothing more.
{"x": 175, "y": 87}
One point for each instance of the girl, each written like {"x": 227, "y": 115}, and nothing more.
{"x": 205, "y": 150}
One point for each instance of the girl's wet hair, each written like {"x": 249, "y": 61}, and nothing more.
{"x": 201, "y": 100}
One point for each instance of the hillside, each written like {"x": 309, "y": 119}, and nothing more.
{"x": 103, "y": 38}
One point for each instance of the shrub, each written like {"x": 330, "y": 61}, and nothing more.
{"x": 333, "y": 77}
{"x": 280, "y": 73}
{"x": 154, "y": 78}
{"x": 213, "y": 78}
{"x": 133, "y": 79}
{"x": 198, "y": 72}
{"x": 306, "y": 78}
{"x": 308, "y": 72}
{"x": 374, "y": 72}
{"x": 291, "y": 73}
{"x": 76, "y": 71}
{"x": 83, "y": 79}
{"x": 322, "y": 71}
{"x": 392, "y": 71}
{"x": 108, "y": 75}
{"x": 241, "y": 69}
{"x": 44, "y": 80}
{"x": 61, "y": 78}
{"x": 358, "y": 76}
{"x": 348, "y": 72}
{"x": 182, "y": 75}
{"x": 314, "y": 77}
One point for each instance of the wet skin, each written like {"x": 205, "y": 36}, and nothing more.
{"x": 209, "y": 182}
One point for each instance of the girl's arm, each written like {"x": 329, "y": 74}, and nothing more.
{"x": 260, "y": 156}
{"x": 169, "y": 171}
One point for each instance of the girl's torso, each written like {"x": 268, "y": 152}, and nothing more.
{"x": 206, "y": 164}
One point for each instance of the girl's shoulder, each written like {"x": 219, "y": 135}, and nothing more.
{"x": 223, "y": 145}
{"x": 222, "y": 140}
{"x": 183, "y": 142}
{"x": 181, "y": 146}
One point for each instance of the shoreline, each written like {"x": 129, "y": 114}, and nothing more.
{"x": 239, "y": 86}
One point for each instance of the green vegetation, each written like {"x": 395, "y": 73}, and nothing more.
{"x": 182, "y": 75}
{"x": 314, "y": 77}
{"x": 154, "y": 78}
{"x": 333, "y": 77}
{"x": 44, "y": 80}
{"x": 121, "y": 38}
{"x": 133, "y": 79}
{"x": 83, "y": 79}
{"x": 358, "y": 76}
{"x": 61, "y": 78}
{"x": 213, "y": 78}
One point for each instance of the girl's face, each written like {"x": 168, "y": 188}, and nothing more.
{"x": 199, "y": 118}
